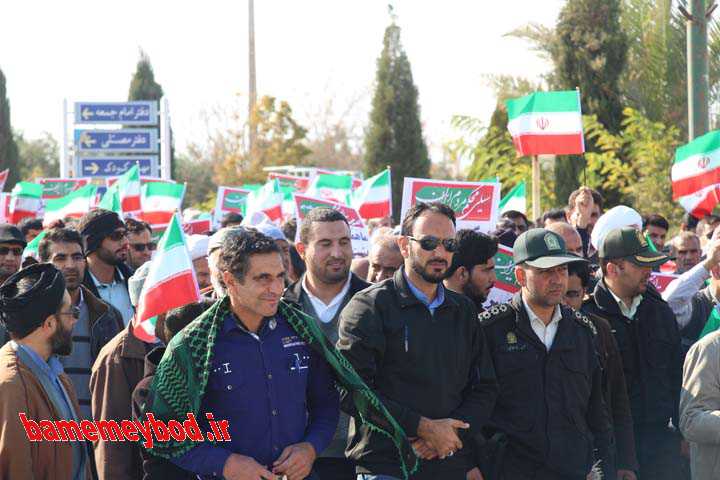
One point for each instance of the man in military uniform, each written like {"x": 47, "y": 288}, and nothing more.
{"x": 649, "y": 342}
{"x": 550, "y": 406}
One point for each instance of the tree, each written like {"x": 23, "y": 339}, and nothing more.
{"x": 144, "y": 87}
{"x": 334, "y": 139}
{"x": 394, "y": 135}
{"x": 8, "y": 147}
{"x": 280, "y": 140}
{"x": 590, "y": 54}
{"x": 39, "y": 157}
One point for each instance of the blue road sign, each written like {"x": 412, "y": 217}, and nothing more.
{"x": 114, "y": 166}
{"x": 126, "y": 113}
{"x": 135, "y": 140}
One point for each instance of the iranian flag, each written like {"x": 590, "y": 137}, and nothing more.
{"x": 31, "y": 250}
{"x": 111, "y": 200}
{"x": 25, "y": 201}
{"x": 170, "y": 282}
{"x": 333, "y": 187}
{"x": 75, "y": 204}
{"x": 160, "y": 201}
{"x": 4, "y": 207}
{"x": 128, "y": 187}
{"x": 3, "y": 178}
{"x": 546, "y": 123}
{"x": 267, "y": 199}
{"x": 373, "y": 199}
{"x": 515, "y": 199}
{"x": 695, "y": 174}
{"x": 505, "y": 284}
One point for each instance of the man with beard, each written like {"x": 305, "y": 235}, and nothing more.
{"x": 322, "y": 292}
{"x": 98, "y": 322}
{"x": 37, "y": 311}
{"x": 140, "y": 242}
{"x": 647, "y": 335}
{"x": 421, "y": 349}
{"x": 384, "y": 259}
{"x": 550, "y": 406}
{"x": 472, "y": 271}
{"x": 106, "y": 247}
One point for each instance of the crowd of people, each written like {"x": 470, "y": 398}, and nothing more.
{"x": 385, "y": 367}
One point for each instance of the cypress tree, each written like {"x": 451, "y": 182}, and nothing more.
{"x": 394, "y": 135}
{"x": 590, "y": 54}
{"x": 8, "y": 146}
{"x": 144, "y": 87}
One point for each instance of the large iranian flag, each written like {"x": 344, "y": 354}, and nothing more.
{"x": 695, "y": 174}
{"x": 267, "y": 199}
{"x": 160, "y": 201}
{"x": 74, "y": 204}
{"x": 170, "y": 282}
{"x": 25, "y": 201}
{"x": 373, "y": 199}
{"x": 546, "y": 123}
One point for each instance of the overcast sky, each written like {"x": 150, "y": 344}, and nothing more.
{"x": 307, "y": 51}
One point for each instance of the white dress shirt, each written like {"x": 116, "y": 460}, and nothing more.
{"x": 546, "y": 333}
{"x": 326, "y": 312}
{"x": 628, "y": 311}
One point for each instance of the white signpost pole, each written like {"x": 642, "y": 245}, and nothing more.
{"x": 64, "y": 157}
{"x": 165, "y": 142}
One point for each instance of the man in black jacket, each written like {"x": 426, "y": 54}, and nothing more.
{"x": 106, "y": 247}
{"x": 421, "y": 348}
{"x": 322, "y": 292}
{"x": 550, "y": 405}
{"x": 649, "y": 342}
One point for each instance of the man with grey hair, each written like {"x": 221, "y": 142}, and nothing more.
{"x": 687, "y": 251}
{"x": 384, "y": 258}
{"x": 573, "y": 241}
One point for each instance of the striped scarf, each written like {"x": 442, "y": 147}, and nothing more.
{"x": 182, "y": 375}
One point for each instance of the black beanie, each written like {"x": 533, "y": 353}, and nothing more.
{"x": 97, "y": 224}
{"x": 23, "y": 312}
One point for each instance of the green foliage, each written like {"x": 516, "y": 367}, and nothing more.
{"x": 39, "y": 157}
{"x": 394, "y": 135}
{"x": 636, "y": 162}
{"x": 280, "y": 140}
{"x": 8, "y": 147}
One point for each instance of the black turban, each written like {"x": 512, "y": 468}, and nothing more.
{"x": 97, "y": 224}
{"x": 24, "y": 309}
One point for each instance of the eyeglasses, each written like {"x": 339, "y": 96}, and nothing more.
{"x": 117, "y": 235}
{"x": 140, "y": 247}
{"x": 430, "y": 243}
{"x": 17, "y": 251}
{"x": 74, "y": 311}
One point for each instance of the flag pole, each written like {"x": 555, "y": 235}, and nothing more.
{"x": 535, "y": 187}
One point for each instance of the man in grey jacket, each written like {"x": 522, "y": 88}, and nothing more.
{"x": 700, "y": 407}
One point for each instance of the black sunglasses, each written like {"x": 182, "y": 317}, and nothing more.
{"x": 140, "y": 247}
{"x": 117, "y": 235}
{"x": 17, "y": 251}
{"x": 430, "y": 243}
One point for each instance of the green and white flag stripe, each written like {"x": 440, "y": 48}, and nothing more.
{"x": 696, "y": 165}
{"x": 515, "y": 199}
{"x": 74, "y": 204}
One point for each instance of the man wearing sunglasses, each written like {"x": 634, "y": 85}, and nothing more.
{"x": 106, "y": 247}
{"x": 12, "y": 244}
{"x": 421, "y": 348}
{"x": 37, "y": 311}
{"x": 142, "y": 246}
{"x": 550, "y": 406}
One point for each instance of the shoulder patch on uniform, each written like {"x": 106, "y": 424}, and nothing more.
{"x": 493, "y": 313}
{"x": 583, "y": 320}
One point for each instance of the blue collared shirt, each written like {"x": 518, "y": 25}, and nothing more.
{"x": 52, "y": 369}
{"x": 439, "y": 296}
{"x": 274, "y": 391}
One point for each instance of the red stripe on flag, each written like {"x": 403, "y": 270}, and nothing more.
{"x": 173, "y": 292}
{"x": 549, "y": 144}
{"x": 131, "y": 204}
{"x": 274, "y": 213}
{"x": 690, "y": 185}
{"x": 374, "y": 210}
{"x": 707, "y": 205}
{"x": 156, "y": 218}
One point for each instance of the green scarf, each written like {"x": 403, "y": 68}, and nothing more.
{"x": 182, "y": 375}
